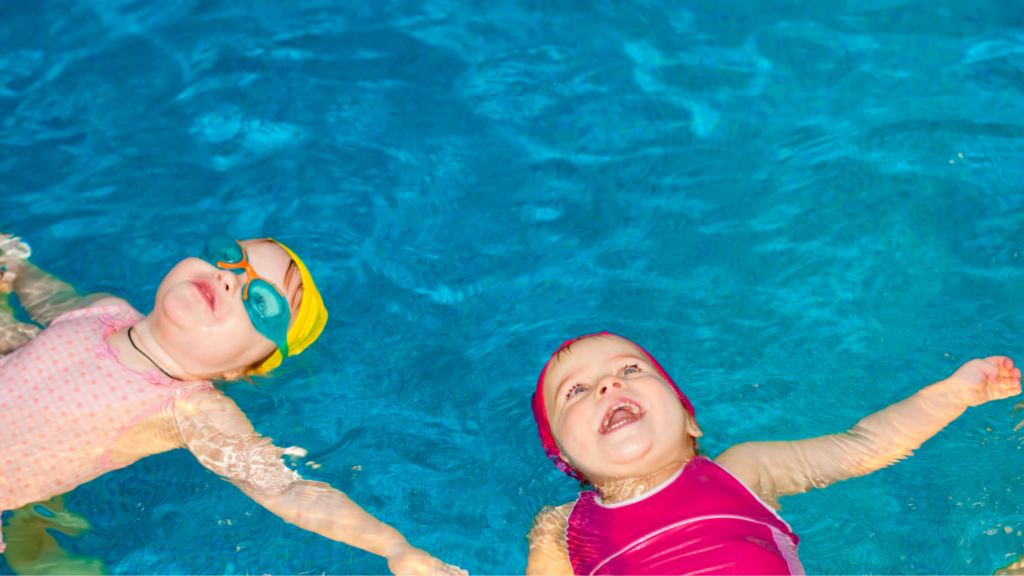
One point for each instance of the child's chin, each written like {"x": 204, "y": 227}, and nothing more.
{"x": 627, "y": 455}
{"x": 182, "y": 311}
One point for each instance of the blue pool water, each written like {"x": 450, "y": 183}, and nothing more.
{"x": 806, "y": 210}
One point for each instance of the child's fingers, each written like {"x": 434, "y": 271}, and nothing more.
{"x": 1008, "y": 392}
{"x": 1000, "y": 362}
{"x": 13, "y": 247}
{"x": 28, "y": 330}
{"x": 1005, "y": 387}
{"x": 1007, "y": 378}
{"x": 440, "y": 567}
{"x": 998, "y": 367}
{"x": 6, "y": 281}
{"x": 449, "y": 569}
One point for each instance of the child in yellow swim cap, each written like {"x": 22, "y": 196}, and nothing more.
{"x": 103, "y": 386}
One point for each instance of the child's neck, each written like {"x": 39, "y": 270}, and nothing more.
{"x": 619, "y": 489}
{"x": 141, "y": 352}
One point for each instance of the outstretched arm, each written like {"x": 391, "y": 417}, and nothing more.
{"x": 223, "y": 440}
{"x": 13, "y": 334}
{"x": 775, "y": 469}
{"x": 43, "y": 295}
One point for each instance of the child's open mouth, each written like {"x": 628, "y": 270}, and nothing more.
{"x": 621, "y": 413}
{"x": 206, "y": 291}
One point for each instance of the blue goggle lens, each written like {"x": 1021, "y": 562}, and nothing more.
{"x": 223, "y": 248}
{"x": 269, "y": 313}
{"x": 267, "y": 308}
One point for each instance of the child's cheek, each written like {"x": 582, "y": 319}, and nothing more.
{"x": 574, "y": 428}
{"x": 176, "y": 305}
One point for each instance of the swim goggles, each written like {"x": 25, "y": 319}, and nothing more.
{"x": 266, "y": 303}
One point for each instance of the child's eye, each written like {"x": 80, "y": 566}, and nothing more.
{"x": 630, "y": 369}
{"x": 572, "y": 392}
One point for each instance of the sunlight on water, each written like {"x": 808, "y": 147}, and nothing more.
{"x": 806, "y": 212}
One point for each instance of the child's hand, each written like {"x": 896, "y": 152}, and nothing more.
{"x": 13, "y": 253}
{"x": 9, "y": 268}
{"x": 14, "y": 334}
{"x": 13, "y": 247}
{"x": 410, "y": 560}
{"x": 980, "y": 381}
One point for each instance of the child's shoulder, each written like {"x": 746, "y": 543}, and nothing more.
{"x": 745, "y": 462}
{"x": 101, "y": 300}
{"x": 98, "y": 307}
{"x": 548, "y": 548}
{"x": 551, "y": 521}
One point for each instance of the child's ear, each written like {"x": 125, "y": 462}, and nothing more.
{"x": 564, "y": 458}
{"x": 692, "y": 428}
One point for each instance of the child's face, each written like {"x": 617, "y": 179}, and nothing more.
{"x": 612, "y": 414}
{"x": 200, "y": 318}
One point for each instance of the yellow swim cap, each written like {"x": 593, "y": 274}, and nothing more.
{"x": 309, "y": 322}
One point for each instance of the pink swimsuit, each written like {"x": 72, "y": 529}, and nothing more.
{"x": 702, "y": 521}
{"x": 65, "y": 401}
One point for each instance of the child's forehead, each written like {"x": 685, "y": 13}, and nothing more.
{"x": 590, "y": 350}
{"x": 271, "y": 261}
{"x": 267, "y": 258}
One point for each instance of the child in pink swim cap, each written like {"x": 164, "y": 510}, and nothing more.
{"x": 103, "y": 386}
{"x": 610, "y": 416}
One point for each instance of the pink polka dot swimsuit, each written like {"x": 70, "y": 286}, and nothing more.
{"x": 65, "y": 401}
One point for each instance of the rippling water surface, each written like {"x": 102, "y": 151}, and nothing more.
{"x": 806, "y": 210}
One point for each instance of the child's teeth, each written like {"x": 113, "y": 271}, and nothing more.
{"x": 607, "y": 421}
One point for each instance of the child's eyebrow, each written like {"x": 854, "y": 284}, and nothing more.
{"x": 565, "y": 381}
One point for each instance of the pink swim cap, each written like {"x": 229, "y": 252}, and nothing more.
{"x": 540, "y": 413}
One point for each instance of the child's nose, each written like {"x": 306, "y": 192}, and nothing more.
{"x": 228, "y": 281}
{"x": 606, "y": 384}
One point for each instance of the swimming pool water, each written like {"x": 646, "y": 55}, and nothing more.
{"x": 805, "y": 210}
